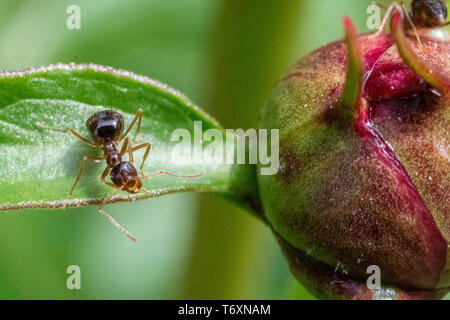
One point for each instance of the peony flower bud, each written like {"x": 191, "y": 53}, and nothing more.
{"x": 364, "y": 171}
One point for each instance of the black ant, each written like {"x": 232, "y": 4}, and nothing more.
{"x": 425, "y": 14}
{"x": 106, "y": 129}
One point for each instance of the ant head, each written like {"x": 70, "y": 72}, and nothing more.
{"x": 429, "y": 13}
{"x": 125, "y": 175}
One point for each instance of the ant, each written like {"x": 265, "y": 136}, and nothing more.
{"x": 425, "y": 14}
{"x": 106, "y": 128}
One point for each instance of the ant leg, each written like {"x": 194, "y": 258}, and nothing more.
{"x": 111, "y": 219}
{"x": 124, "y": 147}
{"x": 127, "y": 147}
{"x": 147, "y": 151}
{"x": 411, "y": 24}
{"x": 130, "y": 152}
{"x": 104, "y": 174}
{"x": 76, "y": 134}
{"x": 138, "y": 116}
{"x": 386, "y": 17}
{"x": 80, "y": 171}
{"x": 138, "y": 129}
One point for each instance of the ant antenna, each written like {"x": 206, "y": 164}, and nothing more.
{"x": 170, "y": 174}
{"x": 111, "y": 219}
{"x": 145, "y": 190}
{"x": 117, "y": 225}
{"x": 165, "y": 172}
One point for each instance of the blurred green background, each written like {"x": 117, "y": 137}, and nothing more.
{"x": 223, "y": 54}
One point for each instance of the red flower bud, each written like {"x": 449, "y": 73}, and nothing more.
{"x": 364, "y": 166}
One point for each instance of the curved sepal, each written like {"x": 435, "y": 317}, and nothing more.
{"x": 348, "y": 102}
{"x": 430, "y": 72}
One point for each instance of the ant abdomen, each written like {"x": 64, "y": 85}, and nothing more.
{"x": 105, "y": 126}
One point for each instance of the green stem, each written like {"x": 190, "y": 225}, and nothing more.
{"x": 253, "y": 40}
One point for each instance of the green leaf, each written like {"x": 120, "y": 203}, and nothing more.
{"x": 39, "y": 166}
